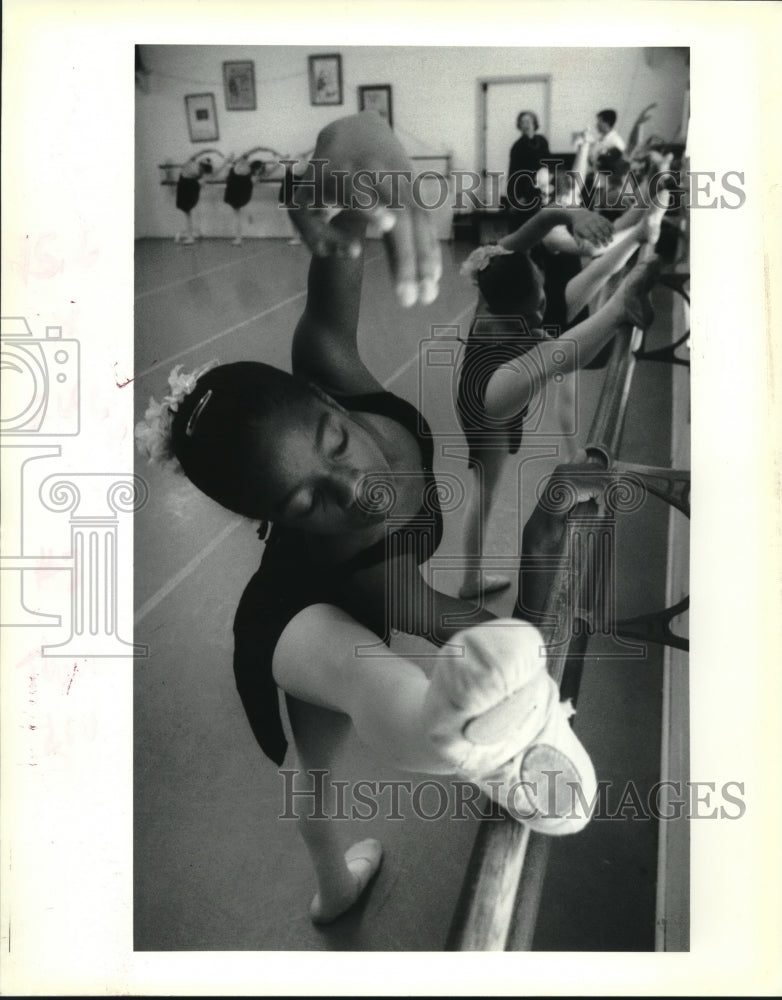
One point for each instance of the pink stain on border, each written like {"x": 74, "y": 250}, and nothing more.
{"x": 121, "y": 384}
{"x": 73, "y": 674}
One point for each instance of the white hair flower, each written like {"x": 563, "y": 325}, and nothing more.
{"x": 153, "y": 433}
{"x": 479, "y": 259}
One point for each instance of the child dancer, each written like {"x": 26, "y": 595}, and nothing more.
{"x": 518, "y": 306}
{"x": 188, "y": 190}
{"x": 242, "y": 174}
{"x": 309, "y": 451}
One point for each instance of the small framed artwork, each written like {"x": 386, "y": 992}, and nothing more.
{"x": 202, "y": 117}
{"x": 376, "y": 97}
{"x": 325, "y": 79}
{"x": 239, "y": 86}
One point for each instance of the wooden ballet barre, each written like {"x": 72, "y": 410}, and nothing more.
{"x": 276, "y": 171}
{"x": 260, "y": 180}
{"x": 500, "y": 898}
{"x": 498, "y": 906}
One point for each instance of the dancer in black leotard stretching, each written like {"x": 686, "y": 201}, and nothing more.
{"x": 188, "y": 190}
{"x": 242, "y": 174}
{"x": 324, "y": 453}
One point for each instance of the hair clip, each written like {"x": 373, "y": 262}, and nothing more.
{"x": 199, "y": 409}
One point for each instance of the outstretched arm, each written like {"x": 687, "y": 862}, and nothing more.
{"x": 513, "y": 385}
{"x": 583, "y": 288}
{"x": 216, "y": 159}
{"x": 325, "y": 344}
{"x": 581, "y": 223}
{"x": 581, "y": 162}
{"x": 633, "y": 140}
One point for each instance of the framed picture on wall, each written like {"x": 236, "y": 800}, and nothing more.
{"x": 376, "y": 97}
{"x": 325, "y": 79}
{"x": 239, "y": 86}
{"x": 202, "y": 117}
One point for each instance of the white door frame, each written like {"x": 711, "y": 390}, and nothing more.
{"x": 484, "y": 82}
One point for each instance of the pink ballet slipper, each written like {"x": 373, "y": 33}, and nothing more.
{"x": 495, "y": 713}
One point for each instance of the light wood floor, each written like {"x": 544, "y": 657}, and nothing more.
{"x": 215, "y": 869}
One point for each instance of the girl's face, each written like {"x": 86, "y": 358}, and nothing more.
{"x": 314, "y": 467}
{"x": 527, "y": 125}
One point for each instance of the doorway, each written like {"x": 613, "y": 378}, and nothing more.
{"x": 500, "y": 99}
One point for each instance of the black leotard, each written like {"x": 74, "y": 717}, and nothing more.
{"x": 496, "y": 337}
{"x": 238, "y": 189}
{"x": 188, "y": 191}
{"x": 291, "y": 579}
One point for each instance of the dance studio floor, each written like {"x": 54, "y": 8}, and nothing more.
{"x": 215, "y": 868}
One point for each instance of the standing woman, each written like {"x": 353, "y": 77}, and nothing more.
{"x": 526, "y": 158}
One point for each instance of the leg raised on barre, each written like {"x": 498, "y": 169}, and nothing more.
{"x": 496, "y": 711}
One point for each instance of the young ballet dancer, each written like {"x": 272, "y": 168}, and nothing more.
{"x": 520, "y": 308}
{"x": 326, "y": 454}
{"x": 606, "y": 160}
{"x": 242, "y": 174}
{"x": 188, "y": 190}
{"x": 607, "y": 138}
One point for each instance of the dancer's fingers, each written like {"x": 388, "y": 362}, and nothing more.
{"x": 384, "y": 218}
{"x": 592, "y": 227}
{"x": 401, "y": 249}
{"x": 601, "y": 231}
{"x": 430, "y": 266}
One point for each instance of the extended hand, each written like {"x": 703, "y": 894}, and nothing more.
{"x": 365, "y": 168}
{"x": 589, "y": 226}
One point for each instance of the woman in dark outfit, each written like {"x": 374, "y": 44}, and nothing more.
{"x": 526, "y": 157}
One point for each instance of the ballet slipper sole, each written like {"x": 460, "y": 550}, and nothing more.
{"x": 551, "y": 785}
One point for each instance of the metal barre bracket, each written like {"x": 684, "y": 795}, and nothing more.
{"x": 675, "y": 281}
{"x": 655, "y": 627}
{"x": 671, "y": 485}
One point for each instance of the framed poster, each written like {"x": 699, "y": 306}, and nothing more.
{"x": 239, "y": 85}
{"x": 325, "y": 73}
{"x": 376, "y": 97}
{"x": 202, "y": 117}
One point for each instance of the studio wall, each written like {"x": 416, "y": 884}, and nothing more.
{"x": 435, "y": 108}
